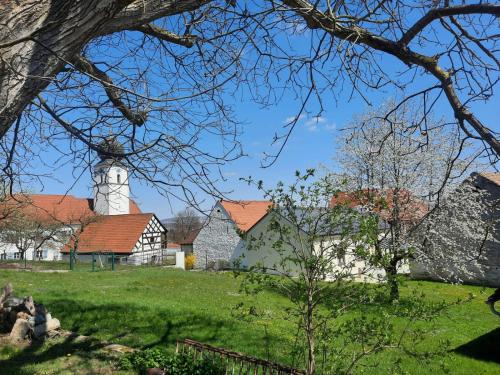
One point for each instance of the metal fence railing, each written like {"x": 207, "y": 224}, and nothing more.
{"x": 234, "y": 363}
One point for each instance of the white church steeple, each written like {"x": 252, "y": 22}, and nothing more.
{"x": 110, "y": 177}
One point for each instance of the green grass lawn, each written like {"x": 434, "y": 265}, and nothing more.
{"x": 146, "y": 307}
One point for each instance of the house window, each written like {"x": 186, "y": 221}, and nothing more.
{"x": 3, "y": 256}
{"x": 39, "y": 254}
{"x": 151, "y": 240}
{"x": 17, "y": 255}
{"x": 118, "y": 178}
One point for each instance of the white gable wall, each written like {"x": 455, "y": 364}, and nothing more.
{"x": 149, "y": 247}
{"x": 217, "y": 241}
{"x": 266, "y": 256}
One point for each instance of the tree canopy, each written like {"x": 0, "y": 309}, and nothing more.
{"x": 160, "y": 75}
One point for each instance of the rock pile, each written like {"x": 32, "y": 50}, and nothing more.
{"x": 22, "y": 318}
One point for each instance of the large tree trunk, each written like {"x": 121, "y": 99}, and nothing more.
{"x": 36, "y": 39}
{"x": 39, "y": 37}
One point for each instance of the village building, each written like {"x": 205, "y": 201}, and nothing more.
{"x": 224, "y": 240}
{"x": 388, "y": 204}
{"x": 132, "y": 238}
{"x": 219, "y": 244}
{"x": 347, "y": 265}
{"x": 110, "y": 222}
{"x": 460, "y": 240}
{"x": 187, "y": 243}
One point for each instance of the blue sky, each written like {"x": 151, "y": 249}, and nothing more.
{"x": 311, "y": 144}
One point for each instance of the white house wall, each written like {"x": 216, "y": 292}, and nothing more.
{"x": 266, "y": 256}
{"x": 50, "y": 251}
{"x": 147, "y": 251}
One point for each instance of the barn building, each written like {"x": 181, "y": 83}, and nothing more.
{"x": 219, "y": 244}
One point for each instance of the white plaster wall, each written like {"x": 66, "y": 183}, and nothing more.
{"x": 265, "y": 255}
{"x": 217, "y": 240}
{"x": 110, "y": 196}
{"x": 268, "y": 257}
{"x": 50, "y": 251}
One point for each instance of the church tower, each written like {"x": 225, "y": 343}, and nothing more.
{"x": 110, "y": 177}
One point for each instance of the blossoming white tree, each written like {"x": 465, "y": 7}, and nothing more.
{"x": 399, "y": 172}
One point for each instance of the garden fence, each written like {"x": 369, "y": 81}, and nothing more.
{"x": 233, "y": 362}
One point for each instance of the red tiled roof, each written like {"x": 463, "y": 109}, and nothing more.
{"x": 65, "y": 209}
{"x": 190, "y": 237}
{"x": 246, "y": 214}
{"x": 114, "y": 233}
{"x": 382, "y": 201}
{"x": 173, "y": 245}
{"x": 493, "y": 177}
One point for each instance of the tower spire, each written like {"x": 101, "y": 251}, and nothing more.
{"x": 110, "y": 180}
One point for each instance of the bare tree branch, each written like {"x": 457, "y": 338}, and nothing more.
{"x": 136, "y": 118}
{"x": 157, "y": 32}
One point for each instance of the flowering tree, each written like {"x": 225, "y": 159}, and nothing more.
{"x": 310, "y": 253}
{"x": 398, "y": 172}
{"x": 308, "y": 243}
{"x": 459, "y": 240}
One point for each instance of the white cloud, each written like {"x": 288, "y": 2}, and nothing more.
{"x": 292, "y": 118}
{"x": 331, "y": 126}
{"x": 315, "y": 120}
{"x": 313, "y": 124}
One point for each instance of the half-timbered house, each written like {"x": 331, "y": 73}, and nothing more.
{"x": 133, "y": 239}
{"x": 109, "y": 222}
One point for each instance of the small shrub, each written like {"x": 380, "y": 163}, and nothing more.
{"x": 183, "y": 364}
{"x": 189, "y": 261}
{"x": 144, "y": 359}
{"x": 178, "y": 364}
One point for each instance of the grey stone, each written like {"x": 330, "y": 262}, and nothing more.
{"x": 218, "y": 241}
{"x": 13, "y": 302}
{"x": 42, "y": 318}
{"x": 20, "y": 330}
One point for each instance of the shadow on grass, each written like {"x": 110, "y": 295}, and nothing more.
{"x": 484, "y": 348}
{"x": 133, "y": 325}
{"x": 45, "y": 353}
{"x": 138, "y": 325}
